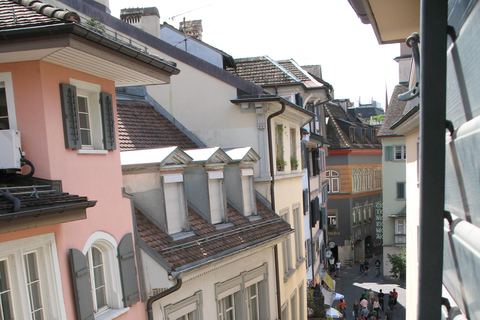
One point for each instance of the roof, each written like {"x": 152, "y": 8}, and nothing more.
{"x": 338, "y": 130}
{"x": 394, "y": 111}
{"x": 140, "y": 126}
{"x": 35, "y": 198}
{"x": 28, "y": 13}
{"x": 208, "y": 242}
{"x": 263, "y": 71}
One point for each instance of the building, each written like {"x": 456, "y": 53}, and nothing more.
{"x": 354, "y": 171}
{"x": 64, "y": 256}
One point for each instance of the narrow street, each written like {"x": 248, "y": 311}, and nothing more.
{"x": 352, "y": 284}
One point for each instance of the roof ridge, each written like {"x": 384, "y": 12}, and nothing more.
{"x": 49, "y": 10}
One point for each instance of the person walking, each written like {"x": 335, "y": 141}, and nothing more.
{"x": 366, "y": 266}
{"x": 362, "y": 269}
{"x": 395, "y": 296}
{"x": 343, "y": 308}
{"x": 380, "y": 299}
{"x": 356, "y": 309}
{"x": 371, "y": 296}
{"x": 376, "y": 305}
{"x": 338, "y": 266}
{"x": 391, "y": 301}
{"x": 389, "y": 314}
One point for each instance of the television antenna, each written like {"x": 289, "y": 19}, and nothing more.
{"x": 172, "y": 18}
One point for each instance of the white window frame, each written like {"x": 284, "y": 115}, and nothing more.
{"x": 403, "y": 153}
{"x": 216, "y": 196}
{"x": 354, "y": 180}
{"x": 185, "y": 307}
{"x": 333, "y": 177}
{"x": 6, "y": 78}
{"x": 248, "y": 192}
{"x": 399, "y": 225}
{"x": 109, "y": 247}
{"x": 49, "y": 273}
{"x": 332, "y": 216}
{"x": 287, "y": 247}
{"x": 299, "y": 239}
{"x": 294, "y": 304}
{"x": 175, "y": 179}
{"x": 92, "y": 92}
{"x": 378, "y": 178}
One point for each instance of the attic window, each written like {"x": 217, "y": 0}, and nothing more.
{"x": 352, "y": 134}
{"x": 374, "y": 135}
{"x": 364, "y": 135}
{"x": 174, "y": 196}
{"x": 248, "y": 192}
{"x": 216, "y": 195}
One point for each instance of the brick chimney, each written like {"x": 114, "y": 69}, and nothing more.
{"x": 192, "y": 28}
{"x": 147, "y": 19}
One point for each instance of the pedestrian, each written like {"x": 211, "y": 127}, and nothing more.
{"x": 362, "y": 269}
{"x": 364, "y": 303}
{"x": 395, "y": 296}
{"x": 371, "y": 296}
{"x": 338, "y": 266}
{"x": 391, "y": 301}
{"x": 376, "y": 305}
{"x": 364, "y": 313}
{"x": 366, "y": 266}
{"x": 366, "y": 294}
{"x": 380, "y": 299}
{"x": 343, "y": 308}
{"x": 356, "y": 309}
{"x": 317, "y": 287}
{"x": 389, "y": 314}
{"x": 377, "y": 267}
{"x": 332, "y": 266}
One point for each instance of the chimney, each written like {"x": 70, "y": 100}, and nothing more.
{"x": 147, "y": 19}
{"x": 192, "y": 28}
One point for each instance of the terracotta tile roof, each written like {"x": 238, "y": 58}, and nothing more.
{"x": 294, "y": 69}
{"x": 36, "y": 197}
{"x": 208, "y": 242}
{"x": 263, "y": 71}
{"x": 140, "y": 126}
{"x": 28, "y": 13}
{"x": 394, "y": 112}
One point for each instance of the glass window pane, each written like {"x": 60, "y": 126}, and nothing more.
{"x": 38, "y": 315}
{"x": 96, "y": 257}
{"x": 100, "y": 297}
{"x": 35, "y": 294}
{"x": 32, "y": 266}
{"x": 3, "y": 277}
{"x": 86, "y": 137}
{"x": 82, "y": 104}
{"x": 84, "y": 121}
{"x": 6, "y": 312}
{"x": 98, "y": 276}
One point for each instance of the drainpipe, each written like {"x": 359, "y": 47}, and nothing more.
{"x": 159, "y": 296}
{"x": 433, "y": 56}
{"x": 272, "y": 196}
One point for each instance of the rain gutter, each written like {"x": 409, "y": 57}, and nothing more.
{"x": 161, "y": 295}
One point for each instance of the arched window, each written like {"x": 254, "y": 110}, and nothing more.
{"x": 354, "y": 180}
{"x": 359, "y": 179}
{"x": 364, "y": 180}
{"x": 370, "y": 178}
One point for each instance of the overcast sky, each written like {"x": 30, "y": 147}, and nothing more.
{"x": 324, "y": 32}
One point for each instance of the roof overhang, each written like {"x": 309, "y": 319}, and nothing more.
{"x": 243, "y": 155}
{"x": 80, "y": 48}
{"x": 149, "y": 160}
{"x": 409, "y": 123}
{"x": 392, "y": 21}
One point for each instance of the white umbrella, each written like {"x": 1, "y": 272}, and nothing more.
{"x": 333, "y": 313}
{"x": 338, "y": 296}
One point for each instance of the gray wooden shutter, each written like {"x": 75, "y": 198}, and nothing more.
{"x": 128, "y": 271}
{"x": 305, "y": 201}
{"x": 71, "y": 122}
{"x": 388, "y": 153}
{"x": 81, "y": 285}
{"x": 108, "y": 122}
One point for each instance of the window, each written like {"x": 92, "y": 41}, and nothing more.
{"x": 400, "y": 190}
{"x": 298, "y": 233}
{"x": 354, "y": 180}
{"x": 359, "y": 212}
{"x": 293, "y": 305}
{"x": 110, "y": 285}
{"x": 332, "y": 219}
{"x": 279, "y": 147}
{"x": 370, "y": 211}
{"x": 30, "y": 282}
{"x": 88, "y": 120}
{"x": 301, "y": 303}
{"x": 364, "y": 179}
{"x": 359, "y": 179}
{"x": 315, "y": 154}
{"x": 400, "y": 226}
{"x": 333, "y": 178}
{"x": 216, "y": 195}
{"x": 352, "y": 134}
{"x": 248, "y": 189}
{"x": 287, "y": 249}
{"x": 175, "y": 204}
{"x": 354, "y": 216}
{"x": 8, "y": 118}
{"x": 378, "y": 178}
{"x": 400, "y": 153}
{"x": 187, "y": 309}
{"x": 365, "y": 212}
{"x": 374, "y": 135}
{"x": 364, "y": 135}
{"x": 244, "y": 296}
{"x": 370, "y": 178}
{"x": 293, "y": 149}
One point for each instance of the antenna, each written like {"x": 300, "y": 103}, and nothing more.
{"x": 173, "y": 17}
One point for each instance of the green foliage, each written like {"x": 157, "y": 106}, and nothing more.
{"x": 281, "y": 162}
{"x": 399, "y": 264}
{"x": 95, "y": 24}
{"x": 377, "y": 119}
{"x": 294, "y": 163}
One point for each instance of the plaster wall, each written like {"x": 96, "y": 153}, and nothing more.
{"x": 98, "y": 176}
{"x": 412, "y": 225}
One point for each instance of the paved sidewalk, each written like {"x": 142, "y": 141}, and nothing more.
{"x": 352, "y": 284}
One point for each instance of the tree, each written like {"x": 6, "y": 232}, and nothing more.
{"x": 399, "y": 264}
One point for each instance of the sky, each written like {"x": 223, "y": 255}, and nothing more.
{"x": 311, "y": 32}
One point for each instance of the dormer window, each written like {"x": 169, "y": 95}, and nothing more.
{"x": 175, "y": 205}
{"x": 216, "y": 196}
{"x": 352, "y": 134}
{"x": 364, "y": 135}
{"x": 248, "y": 191}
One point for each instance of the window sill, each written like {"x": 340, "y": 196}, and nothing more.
{"x": 289, "y": 274}
{"x": 287, "y": 175}
{"x": 91, "y": 151}
{"x": 110, "y": 314}
{"x": 300, "y": 262}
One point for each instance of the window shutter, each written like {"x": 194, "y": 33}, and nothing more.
{"x": 128, "y": 271}
{"x": 71, "y": 127}
{"x": 324, "y": 217}
{"x": 388, "y": 153}
{"x": 108, "y": 122}
{"x": 298, "y": 99}
{"x": 81, "y": 285}
{"x": 305, "y": 201}
{"x": 400, "y": 190}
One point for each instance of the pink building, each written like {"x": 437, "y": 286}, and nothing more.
{"x": 72, "y": 256}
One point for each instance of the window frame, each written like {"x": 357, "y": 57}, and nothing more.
{"x": 287, "y": 248}
{"x": 6, "y": 78}
{"x": 181, "y": 203}
{"x": 247, "y": 178}
{"x": 404, "y": 190}
{"x": 218, "y": 200}
{"x": 13, "y": 252}
{"x": 299, "y": 239}
{"x": 184, "y": 307}
{"x": 397, "y": 226}
{"x": 403, "y": 153}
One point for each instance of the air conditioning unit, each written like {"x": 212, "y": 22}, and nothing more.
{"x": 10, "y": 149}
